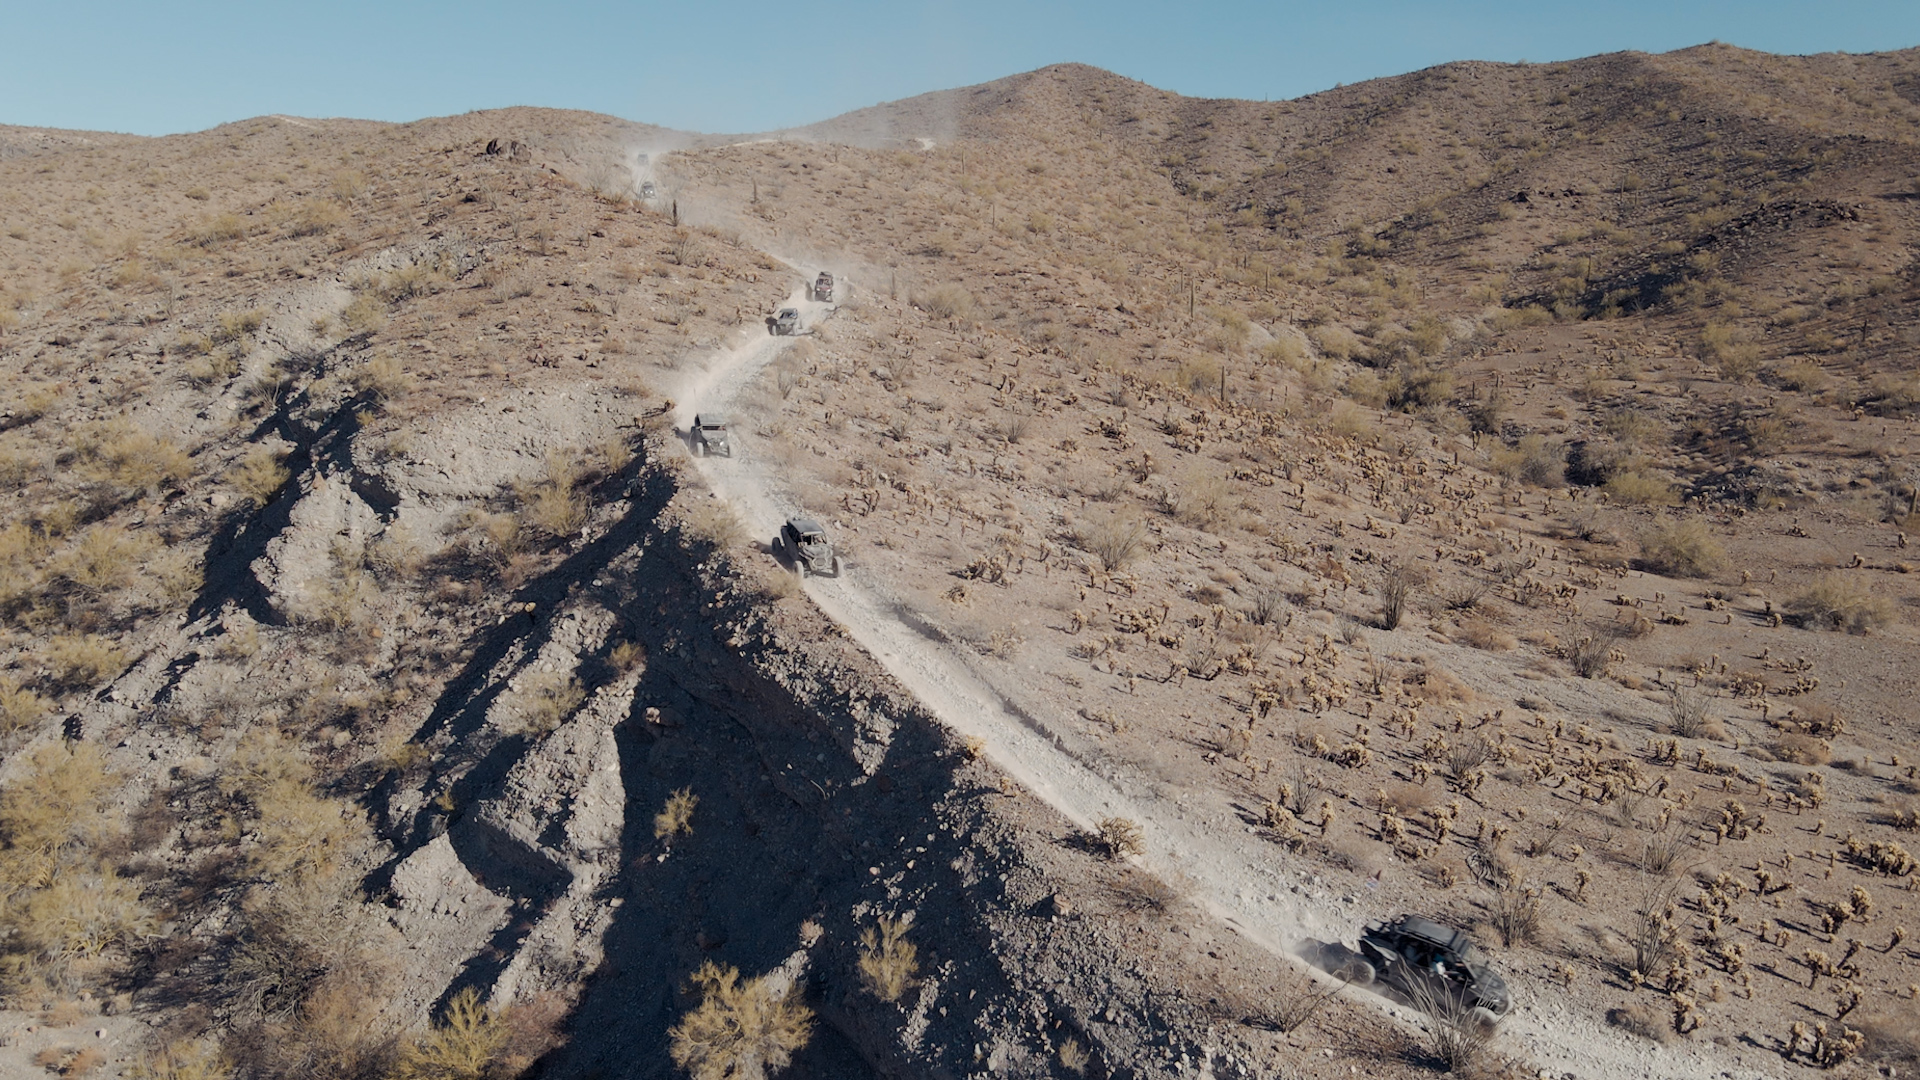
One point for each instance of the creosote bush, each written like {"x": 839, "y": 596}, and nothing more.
{"x": 740, "y": 1030}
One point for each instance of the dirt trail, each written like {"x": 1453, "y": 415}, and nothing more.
{"x": 1224, "y": 869}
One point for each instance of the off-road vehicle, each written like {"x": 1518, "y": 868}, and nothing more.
{"x": 823, "y": 288}
{"x": 647, "y": 190}
{"x": 786, "y": 321}
{"x": 804, "y": 542}
{"x": 710, "y": 434}
{"x": 1411, "y": 956}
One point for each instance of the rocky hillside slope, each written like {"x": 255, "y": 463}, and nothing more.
{"x": 1435, "y": 493}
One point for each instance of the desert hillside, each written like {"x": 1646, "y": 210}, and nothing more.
{"x": 1482, "y": 493}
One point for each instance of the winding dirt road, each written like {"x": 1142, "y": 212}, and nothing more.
{"x": 1220, "y": 866}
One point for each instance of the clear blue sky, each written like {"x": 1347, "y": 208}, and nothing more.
{"x": 157, "y": 67}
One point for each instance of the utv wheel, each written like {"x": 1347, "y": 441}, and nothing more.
{"x": 836, "y": 566}
{"x": 1356, "y": 971}
{"x": 1485, "y": 1018}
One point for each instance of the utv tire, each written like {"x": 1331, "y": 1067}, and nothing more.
{"x": 836, "y": 566}
{"x": 1356, "y": 971}
{"x": 1484, "y": 1018}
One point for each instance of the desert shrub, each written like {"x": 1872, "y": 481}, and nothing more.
{"x": 1660, "y": 852}
{"x": 1533, "y": 460}
{"x": 1366, "y": 388}
{"x": 1685, "y": 548}
{"x": 1802, "y": 750}
{"x": 714, "y": 524}
{"x": 889, "y": 963}
{"x": 232, "y": 326}
{"x": 1729, "y": 349}
{"x": 1838, "y": 602}
{"x": 20, "y": 708}
{"x": 1202, "y": 501}
{"x": 1415, "y": 386}
{"x": 1514, "y": 913}
{"x": 1482, "y": 634}
{"x": 1636, "y": 1020}
{"x": 1639, "y": 488}
{"x": 217, "y": 230}
{"x": 1507, "y": 319}
{"x": 314, "y": 218}
{"x": 1073, "y": 1056}
{"x": 131, "y": 462}
{"x": 676, "y": 817}
{"x": 61, "y": 904}
{"x": 1114, "y": 539}
{"x": 1651, "y": 933}
{"x": 82, "y": 661}
{"x": 1398, "y": 582}
{"x": 1805, "y": 376}
{"x": 554, "y": 503}
{"x": 1198, "y": 375}
{"x": 365, "y": 315}
{"x": 1119, "y": 837}
{"x": 1454, "y": 1033}
{"x": 1687, "y": 714}
{"x": 739, "y": 1031}
{"x": 951, "y": 302}
{"x": 261, "y": 474}
{"x": 545, "y": 698}
{"x": 103, "y": 559}
{"x": 1335, "y": 341}
{"x": 186, "y": 1059}
{"x": 462, "y": 1046}
{"x": 382, "y": 378}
